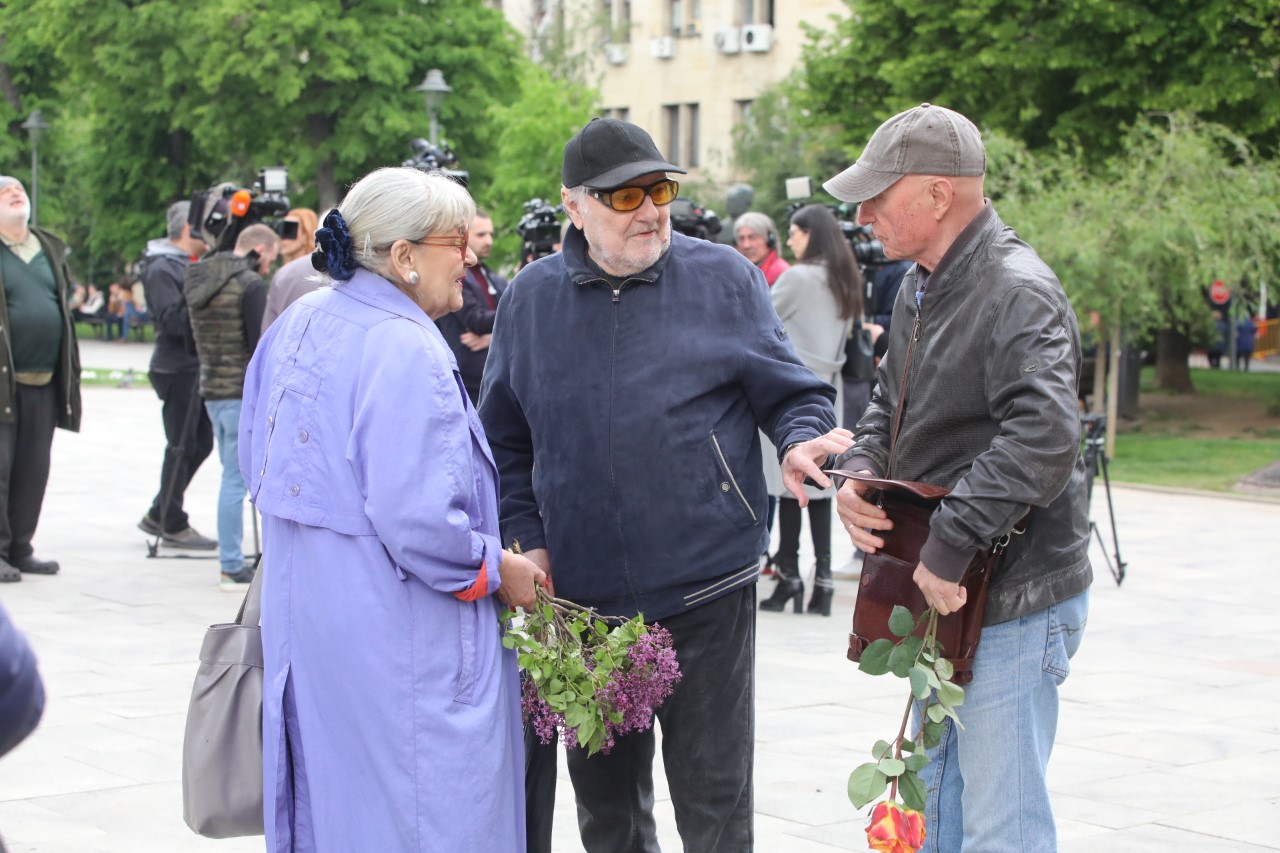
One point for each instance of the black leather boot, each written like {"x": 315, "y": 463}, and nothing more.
{"x": 823, "y": 587}
{"x": 789, "y": 587}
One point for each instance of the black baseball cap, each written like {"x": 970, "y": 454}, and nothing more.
{"x": 608, "y": 153}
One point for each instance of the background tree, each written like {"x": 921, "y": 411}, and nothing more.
{"x": 1050, "y": 72}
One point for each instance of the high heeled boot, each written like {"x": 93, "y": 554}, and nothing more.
{"x": 823, "y": 587}
{"x": 789, "y": 587}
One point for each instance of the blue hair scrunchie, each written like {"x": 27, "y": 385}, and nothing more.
{"x": 335, "y": 254}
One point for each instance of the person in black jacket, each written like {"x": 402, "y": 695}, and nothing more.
{"x": 175, "y": 376}
{"x": 39, "y": 375}
{"x": 468, "y": 330}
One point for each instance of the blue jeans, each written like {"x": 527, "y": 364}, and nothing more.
{"x": 225, "y": 415}
{"x": 130, "y": 313}
{"x": 986, "y": 783}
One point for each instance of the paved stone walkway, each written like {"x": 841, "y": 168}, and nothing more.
{"x": 1169, "y": 738}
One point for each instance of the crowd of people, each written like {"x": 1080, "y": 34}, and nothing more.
{"x": 428, "y": 444}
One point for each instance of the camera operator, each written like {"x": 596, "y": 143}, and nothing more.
{"x": 175, "y": 376}
{"x": 226, "y": 294}
{"x": 467, "y": 330}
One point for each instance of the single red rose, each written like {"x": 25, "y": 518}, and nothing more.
{"x": 894, "y": 829}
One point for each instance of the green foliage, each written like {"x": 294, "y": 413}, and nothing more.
{"x": 527, "y": 148}
{"x": 919, "y": 659}
{"x": 152, "y": 99}
{"x": 1048, "y": 73}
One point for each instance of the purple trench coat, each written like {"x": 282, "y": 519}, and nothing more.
{"x": 391, "y": 717}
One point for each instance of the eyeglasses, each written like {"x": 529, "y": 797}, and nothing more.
{"x": 459, "y": 243}
{"x": 629, "y": 198}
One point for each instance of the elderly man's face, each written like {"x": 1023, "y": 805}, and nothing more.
{"x": 753, "y": 245}
{"x": 625, "y": 242}
{"x": 900, "y": 218}
{"x": 15, "y": 207}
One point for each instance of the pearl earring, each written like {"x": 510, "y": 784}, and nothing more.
{"x": 413, "y": 278}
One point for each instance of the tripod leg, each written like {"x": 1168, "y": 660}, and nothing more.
{"x": 1118, "y": 571}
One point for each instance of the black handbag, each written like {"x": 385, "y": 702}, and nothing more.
{"x": 859, "y": 356}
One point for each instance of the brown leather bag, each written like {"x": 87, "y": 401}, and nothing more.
{"x": 887, "y": 575}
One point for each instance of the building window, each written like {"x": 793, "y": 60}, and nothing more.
{"x": 756, "y": 11}
{"x": 743, "y": 109}
{"x": 616, "y": 15}
{"x": 677, "y": 17}
{"x": 621, "y": 113}
{"x": 671, "y": 117}
{"x": 691, "y": 135}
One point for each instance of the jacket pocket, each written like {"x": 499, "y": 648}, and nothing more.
{"x": 468, "y": 616}
{"x": 729, "y": 494}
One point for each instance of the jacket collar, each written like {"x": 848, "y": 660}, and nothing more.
{"x": 581, "y": 271}
{"x": 958, "y": 254}
{"x": 376, "y": 291}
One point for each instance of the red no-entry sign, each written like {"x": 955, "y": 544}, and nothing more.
{"x": 1219, "y": 293}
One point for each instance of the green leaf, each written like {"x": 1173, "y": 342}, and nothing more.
{"x": 891, "y": 766}
{"x": 866, "y": 783}
{"x": 901, "y": 622}
{"x": 508, "y": 641}
{"x": 919, "y": 681}
{"x": 908, "y": 745}
{"x": 913, "y": 791}
{"x": 944, "y": 669}
{"x": 881, "y": 749}
{"x": 937, "y": 713}
{"x": 950, "y": 694}
{"x": 875, "y": 658}
{"x": 932, "y": 734}
{"x": 916, "y": 763}
{"x": 903, "y": 656}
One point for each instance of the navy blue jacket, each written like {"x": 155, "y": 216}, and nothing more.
{"x": 21, "y": 690}
{"x": 624, "y": 424}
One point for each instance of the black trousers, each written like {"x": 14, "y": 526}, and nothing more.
{"x": 25, "y": 447}
{"x": 539, "y": 791}
{"x": 188, "y": 435}
{"x": 708, "y": 745}
{"x": 789, "y": 523}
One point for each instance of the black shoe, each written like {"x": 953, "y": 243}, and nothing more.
{"x": 820, "y": 602}
{"x": 8, "y": 574}
{"x": 237, "y": 581}
{"x": 189, "y": 537}
{"x": 149, "y": 525}
{"x": 29, "y": 565}
{"x": 787, "y": 589}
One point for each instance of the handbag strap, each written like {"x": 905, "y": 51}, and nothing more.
{"x": 250, "y": 612}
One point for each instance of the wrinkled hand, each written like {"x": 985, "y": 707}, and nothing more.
{"x": 945, "y": 596}
{"x": 542, "y": 560}
{"x": 475, "y": 342}
{"x": 520, "y": 576}
{"x": 860, "y": 517}
{"x": 803, "y": 461}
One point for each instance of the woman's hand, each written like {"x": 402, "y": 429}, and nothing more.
{"x": 520, "y": 577}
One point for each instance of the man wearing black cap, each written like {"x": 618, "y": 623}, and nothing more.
{"x": 626, "y": 381}
{"x": 977, "y": 393}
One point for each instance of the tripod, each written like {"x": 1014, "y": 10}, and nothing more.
{"x": 1095, "y": 456}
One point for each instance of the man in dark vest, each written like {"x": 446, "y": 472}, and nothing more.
{"x": 226, "y": 295}
{"x": 468, "y": 330}
{"x": 39, "y": 375}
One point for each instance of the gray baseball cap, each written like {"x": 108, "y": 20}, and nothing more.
{"x": 924, "y": 140}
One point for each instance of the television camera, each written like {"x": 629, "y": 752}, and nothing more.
{"x": 220, "y": 213}
{"x": 539, "y": 229}
{"x": 436, "y": 158}
{"x": 693, "y": 220}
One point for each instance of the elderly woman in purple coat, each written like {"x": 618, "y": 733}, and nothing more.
{"x": 391, "y": 717}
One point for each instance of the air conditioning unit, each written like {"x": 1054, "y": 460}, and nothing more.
{"x": 757, "y": 38}
{"x": 615, "y": 53}
{"x": 729, "y": 40}
{"x": 663, "y": 47}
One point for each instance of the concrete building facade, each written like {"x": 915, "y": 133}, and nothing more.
{"x": 687, "y": 71}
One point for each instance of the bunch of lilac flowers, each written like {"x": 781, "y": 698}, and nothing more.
{"x": 585, "y": 681}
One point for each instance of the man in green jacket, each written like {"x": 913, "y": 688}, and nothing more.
{"x": 39, "y": 375}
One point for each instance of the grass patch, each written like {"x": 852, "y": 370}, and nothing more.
{"x": 1259, "y": 385}
{"x": 114, "y": 378}
{"x": 1190, "y": 463}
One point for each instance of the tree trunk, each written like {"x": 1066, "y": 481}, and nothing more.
{"x": 319, "y": 131}
{"x": 1173, "y": 348}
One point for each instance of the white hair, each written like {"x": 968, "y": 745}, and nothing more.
{"x": 402, "y": 203}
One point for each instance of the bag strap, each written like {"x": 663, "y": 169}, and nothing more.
{"x": 250, "y": 612}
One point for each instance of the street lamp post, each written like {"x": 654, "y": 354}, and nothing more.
{"x": 34, "y": 125}
{"x": 433, "y": 89}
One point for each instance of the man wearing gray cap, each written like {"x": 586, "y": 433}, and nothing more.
{"x": 627, "y": 378}
{"x": 977, "y": 393}
{"x": 39, "y": 375}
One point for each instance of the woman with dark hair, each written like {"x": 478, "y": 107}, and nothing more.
{"x": 390, "y": 710}
{"x": 818, "y": 300}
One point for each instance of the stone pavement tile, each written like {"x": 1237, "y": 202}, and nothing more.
{"x": 1184, "y": 745}
{"x": 25, "y": 820}
{"x": 1072, "y": 765}
{"x": 1161, "y": 793}
{"x": 1254, "y": 776}
{"x": 1153, "y": 838}
{"x": 1249, "y": 822}
{"x": 840, "y": 835}
{"x": 1095, "y": 812}
{"x": 44, "y": 768}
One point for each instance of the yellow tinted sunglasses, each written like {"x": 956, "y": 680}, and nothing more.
{"x": 629, "y": 198}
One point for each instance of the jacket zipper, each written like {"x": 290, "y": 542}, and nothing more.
{"x": 902, "y": 387}
{"x": 724, "y": 463}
